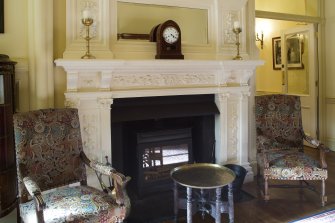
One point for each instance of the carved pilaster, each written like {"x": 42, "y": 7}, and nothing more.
{"x": 221, "y": 131}
{"x": 90, "y": 134}
{"x": 233, "y": 128}
{"x": 105, "y": 126}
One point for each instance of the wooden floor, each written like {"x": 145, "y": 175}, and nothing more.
{"x": 285, "y": 204}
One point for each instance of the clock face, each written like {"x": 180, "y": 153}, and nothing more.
{"x": 170, "y": 34}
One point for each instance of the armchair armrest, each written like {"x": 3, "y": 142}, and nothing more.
{"x": 323, "y": 149}
{"x": 34, "y": 191}
{"x": 97, "y": 166}
{"x": 119, "y": 180}
{"x": 316, "y": 143}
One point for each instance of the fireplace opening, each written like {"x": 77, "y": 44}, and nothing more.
{"x": 151, "y": 136}
{"x": 158, "y": 153}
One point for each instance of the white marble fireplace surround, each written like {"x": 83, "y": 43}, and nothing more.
{"x": 92, "y": 85}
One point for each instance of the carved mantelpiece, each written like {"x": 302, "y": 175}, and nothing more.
{"x": 92, "y": 85}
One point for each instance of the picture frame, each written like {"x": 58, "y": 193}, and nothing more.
{"x": 276, "y": 53}
{"x": 2, "y": 16}
{"x": 295, "y": 49}
{"x": 294, "y": 46}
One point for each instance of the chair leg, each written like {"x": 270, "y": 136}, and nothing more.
{"x": 18, "y": 215}
{"x": 266, "y": 190}
{"x": 323, "y": 195}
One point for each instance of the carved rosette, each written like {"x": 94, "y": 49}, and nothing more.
{"x": 105, "y": 103}
{"x": 223, "y": 97}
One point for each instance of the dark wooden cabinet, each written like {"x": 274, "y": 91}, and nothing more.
{"x": 8, "y": 185}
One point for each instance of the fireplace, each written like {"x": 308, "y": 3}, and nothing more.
{"x": 151, "y": 136}
{"x": 95, "y": 86}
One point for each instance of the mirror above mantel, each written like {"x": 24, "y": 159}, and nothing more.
{"x": 206, "y": 27}
{"x": 138, "y": 18}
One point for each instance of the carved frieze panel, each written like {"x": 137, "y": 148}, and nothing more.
{"x": 160, "y": 80}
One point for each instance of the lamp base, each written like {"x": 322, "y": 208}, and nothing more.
{"x": 238, "y": 57}
{"x": 88, "y": 56}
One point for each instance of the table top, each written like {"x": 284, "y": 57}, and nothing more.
{"x": 202, "y": 175}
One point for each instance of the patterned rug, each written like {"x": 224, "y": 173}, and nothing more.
{"x": 323, "y": 217}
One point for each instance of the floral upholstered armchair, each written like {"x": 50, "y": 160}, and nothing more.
{"x": 49, "y": 155}
{"x": 279, "y": 143}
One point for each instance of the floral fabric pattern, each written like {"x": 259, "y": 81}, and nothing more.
{"x": 49, "y": 155}
{"x": 48, "y": 145}
{"x": 285, "y": 165}
{"x": 75, "y": 204}
{"x": 280, "y": 138}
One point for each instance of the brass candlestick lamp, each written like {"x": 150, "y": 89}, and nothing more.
{"x": 87, "y": 21}
{"x": 237, "y": 30}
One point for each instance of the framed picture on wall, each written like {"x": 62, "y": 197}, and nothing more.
{"x": 276, "y": 53}
{"x": 2, "y": 16}
{"x": 294, "y": 46}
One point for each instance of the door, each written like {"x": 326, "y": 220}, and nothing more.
{"x": 300, "y": 72}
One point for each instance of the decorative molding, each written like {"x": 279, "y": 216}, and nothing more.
{"x": 159, "y": 80}
{"x": 105, "y": 103}
{"x": 228, "y": 18}
{"x": 111, "y": 75}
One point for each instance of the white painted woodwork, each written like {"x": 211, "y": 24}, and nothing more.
{"x": 92, "y": 85}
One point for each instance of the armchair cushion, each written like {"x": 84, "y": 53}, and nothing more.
{"x": 288, "y": 165}
{"x": 75, "y": 204}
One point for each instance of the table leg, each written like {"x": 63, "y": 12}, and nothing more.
{"x": 230, "y": 203}
{"x": 189, "y": 205}
{"x": 218, "y": 205}
{"x": 176, "y": 200}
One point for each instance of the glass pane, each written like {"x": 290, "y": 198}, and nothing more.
{"x": 297, "y": 64}
{"x": 2, "y": 90}
{"x": 158, "y": 161}
{"x": 165, "y": 155}
{"x": 296, "y": 7}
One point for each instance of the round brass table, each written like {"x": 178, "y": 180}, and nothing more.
{"x": 205, "y": 176}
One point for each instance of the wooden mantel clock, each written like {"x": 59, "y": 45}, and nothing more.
{"x": 168, "y": 40}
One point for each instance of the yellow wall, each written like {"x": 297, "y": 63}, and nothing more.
{"x": 298, "y": 7}
{"x": 59, "y": 30}
{"x": 14, "y": 42}
{"x": 268, "y": 79}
